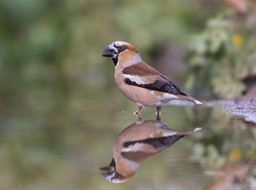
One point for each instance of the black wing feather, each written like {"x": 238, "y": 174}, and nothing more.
{"x": 158, "y": 86}
{"x": 156, "y": 142}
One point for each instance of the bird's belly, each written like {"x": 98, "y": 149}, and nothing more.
{"x": 146, "y": 97}
{"x": 139, "y": 95}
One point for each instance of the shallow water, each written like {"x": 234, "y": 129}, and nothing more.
{"x": 49, "y": 144}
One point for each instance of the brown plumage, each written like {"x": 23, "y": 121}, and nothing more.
{"x": 139, "y": 81}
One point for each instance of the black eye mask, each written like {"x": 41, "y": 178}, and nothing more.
{"x": 121, "y": 48}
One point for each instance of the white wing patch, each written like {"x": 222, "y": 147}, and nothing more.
{"x": 134, "y": 78}
{"x": 133, "y": 148}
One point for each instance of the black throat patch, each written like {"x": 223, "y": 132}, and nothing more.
{"x": 115, "y": 60}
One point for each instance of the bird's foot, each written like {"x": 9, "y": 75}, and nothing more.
{"x": 137, "y": 112}
{"x": 139, "y": 119}
{"x": 158, "y": 111}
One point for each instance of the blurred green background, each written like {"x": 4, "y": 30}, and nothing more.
{"x": 50, "y": 52}
{"x": 60, "y": 110}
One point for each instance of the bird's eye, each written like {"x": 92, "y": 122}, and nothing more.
{"x": 121, "y": 48}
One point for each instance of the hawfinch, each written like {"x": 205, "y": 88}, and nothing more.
{"x": 135, "y": 144}
{"x": 140, "y": 82}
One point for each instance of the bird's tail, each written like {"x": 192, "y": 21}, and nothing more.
{"x": 191, "y": 99}
{"x": 184, "y": 133}
{"x": 197, "y": 102}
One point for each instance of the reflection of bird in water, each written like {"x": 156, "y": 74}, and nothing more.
{"x": 135, "y": 144}
{"x": 140, "y": 82}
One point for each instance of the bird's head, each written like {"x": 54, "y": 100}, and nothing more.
{"x": 117, "y": 48}
{"x": 111, "y": 174}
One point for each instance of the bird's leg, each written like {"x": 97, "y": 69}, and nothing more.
{"x": 139, "y": 107}
{"x": 139, "y": 119}
{"x": 158, "y": 118}
{"x": 158, "y": 110}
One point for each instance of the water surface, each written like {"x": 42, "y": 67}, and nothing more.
{"x": 61, "y": 144}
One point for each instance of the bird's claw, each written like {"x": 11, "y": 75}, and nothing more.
{"x": 136, "y": 113}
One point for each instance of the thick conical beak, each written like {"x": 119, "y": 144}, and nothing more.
{"x": 109, "y": 52}
{"x": 108, "y": 172}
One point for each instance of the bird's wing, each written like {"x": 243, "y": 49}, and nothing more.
{"x": 145, "y": 76}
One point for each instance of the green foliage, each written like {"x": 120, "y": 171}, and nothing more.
{"x": 222, "y": 56}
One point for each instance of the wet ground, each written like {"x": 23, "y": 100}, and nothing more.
{"x": 244, "y": 106}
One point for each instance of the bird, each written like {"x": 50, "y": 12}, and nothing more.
{"x": 139, "y": 81}
{"x": 137, "y": 143}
